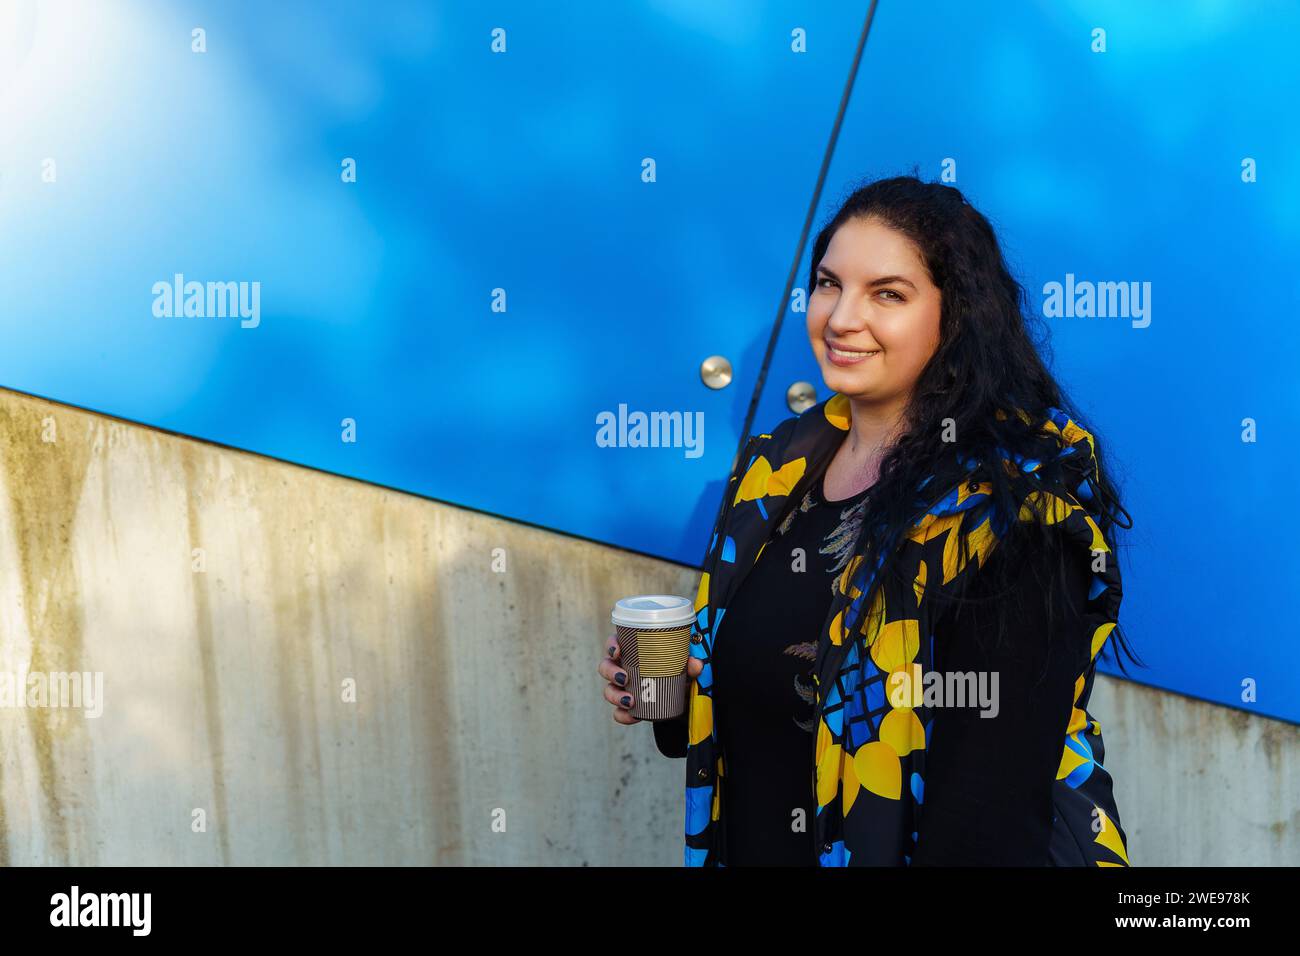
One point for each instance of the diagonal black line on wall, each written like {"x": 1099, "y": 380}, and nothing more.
{"x": 784, "y": 305}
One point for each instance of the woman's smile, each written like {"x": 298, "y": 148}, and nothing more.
{"x": 848, "y": 357}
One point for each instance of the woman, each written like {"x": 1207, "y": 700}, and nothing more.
{"x": 904, "y": 674}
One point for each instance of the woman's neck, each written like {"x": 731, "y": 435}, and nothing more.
{"x": 872, "y": 428}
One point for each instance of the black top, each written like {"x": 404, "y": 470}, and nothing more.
{"x": 989, "y": 780}
{"x": 763, "y": 691}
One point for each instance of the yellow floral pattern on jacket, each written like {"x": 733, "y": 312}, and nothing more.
{"x": 868, "y": 765}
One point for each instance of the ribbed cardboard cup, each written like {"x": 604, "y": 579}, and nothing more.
{"x": 654, "y": 642}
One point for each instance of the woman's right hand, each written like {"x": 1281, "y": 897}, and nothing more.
{"x": 620, "y": 694}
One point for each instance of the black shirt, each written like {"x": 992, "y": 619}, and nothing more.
{"x": 763, "y": 691}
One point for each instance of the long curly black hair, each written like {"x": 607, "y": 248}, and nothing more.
{"x": 987, "y": 361}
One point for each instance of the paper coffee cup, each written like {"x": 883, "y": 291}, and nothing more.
{"x": 654, "y": 642}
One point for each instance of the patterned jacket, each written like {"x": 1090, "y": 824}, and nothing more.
{"x": 868, "y": 768}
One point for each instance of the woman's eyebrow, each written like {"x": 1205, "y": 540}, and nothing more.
{"x": 883, "y": 280}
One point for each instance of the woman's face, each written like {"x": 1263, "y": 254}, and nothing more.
{"x": 874, "y": 295}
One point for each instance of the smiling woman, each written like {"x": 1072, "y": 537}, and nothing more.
{"x": 944, "y": 515}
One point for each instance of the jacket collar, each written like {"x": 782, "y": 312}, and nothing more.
{"x": 818, "y": 432}
{"x": 782, "y": 467}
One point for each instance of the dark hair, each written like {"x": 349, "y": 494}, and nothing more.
{"x": 986, "y": 361}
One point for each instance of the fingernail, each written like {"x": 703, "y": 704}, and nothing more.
{"x": 610, "y": 650}
{"x": 620, "y": 678}
{"x": 627, "y": 701}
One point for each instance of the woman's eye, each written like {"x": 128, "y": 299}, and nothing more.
{"x": 897, "y": 297}
{"x": 824, "y": 279}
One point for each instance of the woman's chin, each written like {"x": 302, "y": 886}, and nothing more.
{"x": 844, "y": 380}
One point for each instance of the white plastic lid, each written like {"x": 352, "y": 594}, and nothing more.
{"x": 654, "y": 610}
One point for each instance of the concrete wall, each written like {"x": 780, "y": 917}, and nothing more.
{"x": 476, "y": 692}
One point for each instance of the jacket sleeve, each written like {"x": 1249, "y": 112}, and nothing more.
{"x": 670, "y": 736}
{"x": 987, "y": 798}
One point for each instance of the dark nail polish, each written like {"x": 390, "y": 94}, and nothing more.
{"x": 620, "y": 678}
{"x": 611, "y": 649}
{"x": 627, "y": 701}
